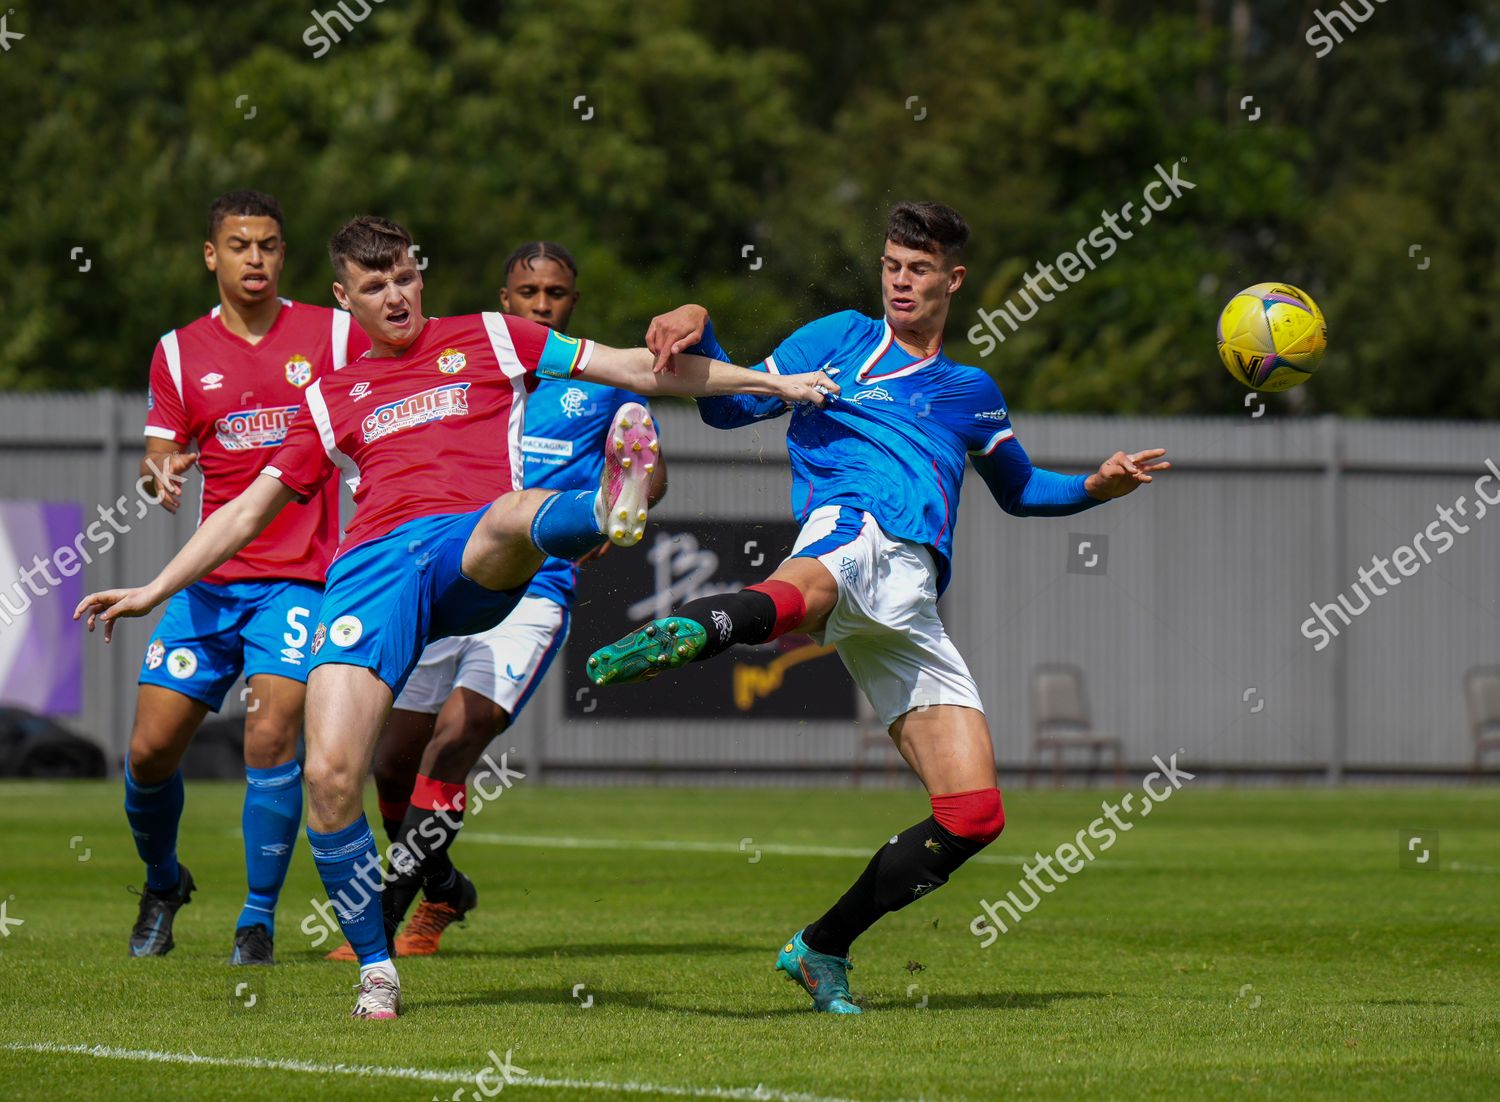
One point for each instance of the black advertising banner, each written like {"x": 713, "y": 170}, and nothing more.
{"x": 789, "y": 678}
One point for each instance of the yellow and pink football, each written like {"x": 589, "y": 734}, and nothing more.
{"x": 1271, "y": 336}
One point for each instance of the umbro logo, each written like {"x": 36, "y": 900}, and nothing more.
{"x": 359, "y": 390}
{"x": 212, "y": 381}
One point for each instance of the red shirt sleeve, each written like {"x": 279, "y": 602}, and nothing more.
{"x": 302, "y": 463}
{"x": 165, "y": 416}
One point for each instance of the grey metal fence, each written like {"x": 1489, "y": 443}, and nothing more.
{"x": 1185, "y": 611}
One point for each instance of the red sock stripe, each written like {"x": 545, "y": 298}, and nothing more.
{"x": 434, "y": 795}
{"x": 394, "y": 811}
{"x": 791, "y": 608}
{"x": 977, "y": 814}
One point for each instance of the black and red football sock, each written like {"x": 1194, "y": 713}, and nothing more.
{"x": 756, "y": 614}
{"x": 914, "y": 863}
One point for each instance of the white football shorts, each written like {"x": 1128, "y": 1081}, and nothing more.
{"x": 504, "y": 664}
{"x": 886, "y": 625}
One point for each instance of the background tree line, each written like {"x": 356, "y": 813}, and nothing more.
{"x": 785, "y": 126}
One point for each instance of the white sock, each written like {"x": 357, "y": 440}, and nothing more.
{"x": 386, "y": 968}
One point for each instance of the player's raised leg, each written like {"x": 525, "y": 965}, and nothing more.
{"x": 273, "y": 808}
{"x": 165, "y": 722}
{"x": 798, "y": 597}
{"x": 520, "y": 529}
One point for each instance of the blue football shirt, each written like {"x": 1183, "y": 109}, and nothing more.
{"x": 895, "y": 441}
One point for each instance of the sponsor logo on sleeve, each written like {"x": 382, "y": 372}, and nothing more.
{"x": 254, "y": 428}
{"x": 298, "y": 371}
{"x": 448, "y": 400}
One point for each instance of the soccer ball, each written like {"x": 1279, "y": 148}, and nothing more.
{"x": 1271, "y": 336}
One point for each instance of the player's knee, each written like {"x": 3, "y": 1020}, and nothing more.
{"x": 978, "y": 815}
{"x": 151, "y": 762}
{"x": 331, "y": 781}
{"x": 269, "y": 742}
{"x": 455, "y": 749}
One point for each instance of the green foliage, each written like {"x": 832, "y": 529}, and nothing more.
{"x": 786, "y": 127}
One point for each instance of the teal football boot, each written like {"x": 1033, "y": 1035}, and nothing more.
{"x": 664, "y": 644}
{"x": 823, "y": 977}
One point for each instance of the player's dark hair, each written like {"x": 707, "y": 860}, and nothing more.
{"x": 371, "y": 242}
{"x": 255, "y": 204}
{"x": 930, "y": 227}
{"x": 529, "y": 253}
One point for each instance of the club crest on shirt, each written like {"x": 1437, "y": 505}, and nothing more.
{"x": 850, "y": 570}
{"x": 298, "y": 371}
{"x": 572, "y": 402}
{"x": 874, "y": 394}
{"x": 452, "y": 361}
{"x": 448, "y": 400}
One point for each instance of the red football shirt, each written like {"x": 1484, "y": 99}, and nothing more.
{"x": 237, "y": 399}
{"x": 436, "y": 430}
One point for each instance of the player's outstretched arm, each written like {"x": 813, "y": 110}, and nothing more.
{"x": 688, "y": 329}
{"x": 698, "y": 377}
{"x": 216, "y": 541}
{"x": 1024, "y": 490}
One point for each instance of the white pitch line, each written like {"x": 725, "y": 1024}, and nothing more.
{"x": 677, "y": 846}
{"x": 757, "y": 1093}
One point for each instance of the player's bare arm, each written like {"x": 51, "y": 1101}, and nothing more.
{"x": 215, "y": 542}
{"x": 700, "y": 377}
{"x": 162, "y": 467}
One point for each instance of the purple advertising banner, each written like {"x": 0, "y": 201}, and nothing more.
{"x": 41, "y": 581}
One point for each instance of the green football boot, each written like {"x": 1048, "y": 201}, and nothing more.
{"x": 661, "y": 645}
{"x": 823, "y": 977}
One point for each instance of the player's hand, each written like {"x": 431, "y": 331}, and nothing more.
{"x": 674, "y": 332}
{"x": 109, "y": 605}
{"x": 1120, "y": 473}
{"x": 164, "y": 474}
{"x": 814, "y": 387}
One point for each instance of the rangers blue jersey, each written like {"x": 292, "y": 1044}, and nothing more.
{"x": 895, "y": 441}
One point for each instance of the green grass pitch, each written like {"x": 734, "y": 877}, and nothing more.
{"x": 1238, "y": 943}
